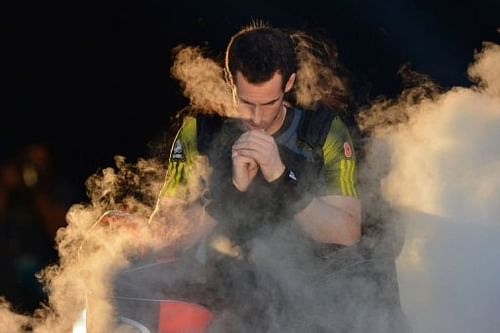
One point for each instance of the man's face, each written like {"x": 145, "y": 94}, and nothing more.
{"x": 260, "y": 106}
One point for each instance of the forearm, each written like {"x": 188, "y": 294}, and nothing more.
{"x": 332, "y": 219}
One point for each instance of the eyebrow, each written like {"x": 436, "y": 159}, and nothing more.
{"x": 266, "y": 103}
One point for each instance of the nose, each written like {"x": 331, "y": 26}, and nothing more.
{"x": 257, "y": 115}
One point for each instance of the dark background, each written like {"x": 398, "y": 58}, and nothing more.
{"x": 91, "y": 78}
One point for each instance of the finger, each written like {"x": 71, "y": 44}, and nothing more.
{"x": 235, "y": 152}
{"x": 259, "y": 157}
{"x": 241, "y": 161}
{"x": 255, "y": 142}
{"x": 260, "y": 135}
{"x": 240, "y": 158}
{"x": 265, "y": 151}
{"x": 267, "y": 142}
{"x": 255, "y": 134}
{"x": 250, "y": 146}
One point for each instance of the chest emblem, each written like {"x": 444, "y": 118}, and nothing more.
{"x": 347, "y": 150}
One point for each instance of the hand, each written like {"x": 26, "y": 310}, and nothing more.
{"x": 260, "y": 147}
{"x": 244, "y": 171}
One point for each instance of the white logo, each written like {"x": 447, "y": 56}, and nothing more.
{"x": 178, "y": 151}
{"x": 291, "y": 175}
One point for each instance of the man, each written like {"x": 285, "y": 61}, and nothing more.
{"x": 258, "y": 219}
{"x": 260, "y": 148}
{"x": 269, "y": 182}
{"x": 259, "y": 215}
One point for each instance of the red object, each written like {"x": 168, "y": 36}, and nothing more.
{"x": 183, "y": 317}
{"x": 347, "y": 150}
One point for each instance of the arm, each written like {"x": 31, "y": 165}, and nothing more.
{"x": 332, "y": 219}
{"x": 179, "y": 219}
{"x": 335, "y": 216}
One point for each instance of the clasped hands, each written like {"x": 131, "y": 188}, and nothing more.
{"x": 252, "y": 151}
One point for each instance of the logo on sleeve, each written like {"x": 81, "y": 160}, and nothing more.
{"x": 178, "y": 151}
{"x": 347, "y": 150}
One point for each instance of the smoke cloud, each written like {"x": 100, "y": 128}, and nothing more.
{"x": 90, "y": 252}
{"x": 443, "y": 180}
{"x": 9, "y": 320}
{"x": 318, "y": 72}
{"x": 202, "y": 81}
{"x": 435, "y": 156}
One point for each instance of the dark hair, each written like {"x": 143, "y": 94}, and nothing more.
{"x": 258, "y": 52}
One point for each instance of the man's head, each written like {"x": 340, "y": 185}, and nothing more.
{"x": 261, "y": 65}
{"x": 260, "y": 51}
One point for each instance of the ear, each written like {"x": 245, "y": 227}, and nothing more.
{"x": 290, "y": 82}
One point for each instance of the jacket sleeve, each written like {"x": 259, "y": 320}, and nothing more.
{"x": 339, "y": 161}
{"x": 181, "y": 161}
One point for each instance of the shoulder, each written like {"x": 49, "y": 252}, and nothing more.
{"x": 338, "y": 128}
{"x": 317, "y": 125}
{"x": 339, "y": 141}
{"x": 185, "y": 140}
{"x": 188, "y": 128}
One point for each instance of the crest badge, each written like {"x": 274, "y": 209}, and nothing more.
{"x": 347, "y": 150}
